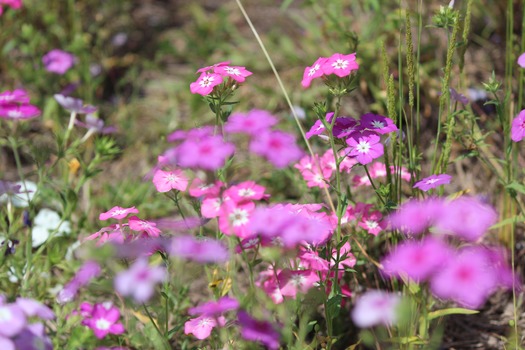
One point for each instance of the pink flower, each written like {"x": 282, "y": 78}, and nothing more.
{"x": 521, "y": 60}
{"x": 378, "y": 123}
{"x": 202, "y": 251}
{"x": 140, "y": 225}
{"x": 417, "y": 260}
{"x": 140, "y": 280}
{"x": 376, "y": 307}
{"x": 235, "y": 217}
{"x": 19, "y": 112}
{"x": 299, "y": 281}
{"x": 278, "y": 147}
{"x": 14, "y": 4}
{"x": 102, "y": 319}
{"x": 340, "y": 65}
{"x": 12, "y": 320}
{"x": 245, "y": 191}
{"x": 414, "y": 216}
{"x": 318, "y": 127}
{"x": 166, "y": 181}
{"x": 208, "y": 68}
{"x": 315, "y": 71}
{"x": 365, "y": 147}
{"x": 16, "y": 96}
{"x": 58, "y": 61}
{"x": 259, "y": 331}
{"x": 202, "y": 326}
{"x": 208, "y": 153}
{"x": 236, "y": 73}
{"x": 346, "y": 257}
{"x": 517, "y": 130}
{"x": 205, "y": 84}
{"x": 372, "y": 222}
{"x": 118, "y": 213}
{"x": 251, "y": 123}
{"x": 215, "y": 308}
{"x": 89, "y": 270}
{"x": 432, "y": 181}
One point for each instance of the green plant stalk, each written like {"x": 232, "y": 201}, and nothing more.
{"x": 415, "y": 174}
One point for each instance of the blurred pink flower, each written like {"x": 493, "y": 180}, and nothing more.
{"x": 517, "y": 131}
{"x": 58, "y": 61}
{"x": 374, "y": 308}
{"x": 102, "y": 319}
{"x": 202, "y": 326}
{"x": 278, "y": 147}
{"x": 215, "y": 308}
{"x": 166, "y": 181}
{"x": 251, "y": 123}
{"x": 258, "y": 331}
{"x": 433, "y": 181}
{"x": 14, "y": 4}
{"x": 139, "y": 280}
{"x": 19, "y": 112}
{"x": 521, "y": 60}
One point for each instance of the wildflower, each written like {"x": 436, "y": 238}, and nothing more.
{"x": 33, "y": 337}
{"x": 234, "y": 218}
{"x": 208, "y": 153}
{"x": 376, "y": 307}
{"x": 95, "y": 125}
{"x": 139, "y": 280}
{"x": 16, "y": 96}
{"x": 12, "y": 320}
{"x": 58, "y": 61}
{"x": 417, "y": 260}
{"x": 372, "y": 222}
{"x": 365, "y": 147}
{"x": 74, "y": 105}
{"x": 346, "y": 258}
{"x": 102, "y": 319}
{"x": 517, "y": 130}
{"x": 278, "y": 147}
{"x": 14, "y": 4}
{"x": 245, "y": 191}
{"x": 205, "y": 83}
{"x": 345, "y": 127}
{"x": 215, "y": 308}
{"x": 33, "y": 308}
{"x": 251, "y": 123}
{"x": 140, "y": 225}
{"x": 318, "y": 128}
{"x": 89, "y": 270}
{"x": 521, "y": 60}
{"x": 315, "y": 71}
{"x": 202, "y": 326}
{"x": 236, "y": 73}
{"x": 203, "y": 251}
{"x": 315, "y": 175}
{"x": 258, "y": 331}
{"x": 340, "y": 65}
{"x": 48, "y": 221}
{"x": 208, "y": 68}
{"x": 456, "y": 96}
{"x": 166, "y": 181}
{"x": 413, "y": 217}
{"x": 378, "y": 123}
{"x": 432, "y": 181}
{"x": 291, "y": 282}
{"x": 19, "y": 112}
{"x": 118, "y": 213}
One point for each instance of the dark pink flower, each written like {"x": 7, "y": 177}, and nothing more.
{"x": 205, "y": 83}
{"x": 103, "y": 320}
{"x": 517, "y": 131}
{"x": 378, "y": 123}
{"x": 118, "y": 213}
{"x": 245, "y": 191}
{"x": 258, "y": 331}
{"x": 19, "y": 112}
{"x": 340, "y": 65}
{"x": 14, "y": 4}
{"x": 315, "y": 71}
{"x": 433, "y": 181}
{"x": 16, "y": 96}
{"x": 278, "y": 147}
{"x": 365, "y": 147}
{"x": 236, "y": 73}
{"x": 58, "y": 61}
{"x": 215, "y": 308}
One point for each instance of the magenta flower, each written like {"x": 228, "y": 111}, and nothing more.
{"x": 74, "y": 104}
{"x": 102, "y": 319}
{"x": 378, "y": 123}
{"x": 19, "y": 112}
{"x": 340, "y": 65}
{"x": 89, "y": 270}
{"x": 14, "y": 4}
{"x": 315, "y": 71}
{"x": 251, "y": 123}
{"x": 166, "y": 181}
{"x": 140, "y": 280}
{"x": 208, "y": 153}
{"x": 278, "y": 147}
{"x": 236, "y": 73}
{"x": 205, "y": 83}
{"x": 365, "y": 147}
{"x": 414, "y": 217}
{"x": 521, "y": 60}
{"x": 16, "y": 96}
{"x": 245, "y": 191}
{"x": 417, "y": 260}
{"x": 58, "y": 61}
{"x": 432, "y": 181}
{"x": 215, "y": 308}
{"x": 259, "y": 331}
{"x": 118, "y": 213}
{"x": 202, "y": 326}
{"x": 517, "y": 131}
{"x": 140, "y": 225}
{"x": 376, "y": 307}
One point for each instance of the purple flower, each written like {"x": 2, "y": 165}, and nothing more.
{"x": 96, "y": 124}
{"x": 34, "y": 308}
{"x": 215, "y": 308}
{"x": 84, "y": 275}
{"x": 456, "y": 96}
{"x": 376, "y": 307}
{"x": 432, "y": 181}
{"x": 521, "y": 60}
{"x": 258, "y": 331}
{"x": 365, "y": 147}
{"x": 251, "y": 123}
{"x": 278, "y": 147}
{"x": 12, "y": 320}
{"x": 517, "y": 131}
{"x": 378, "y": 123}
{"x": 33, "y": 337}
{"x": 58, "y": 61}
{"x": 74, "y": 104}
{"x": 417, "y": 260}
{"x": 203, "y": 251}
{"x": 414, "y": 216}
{"x": 140, "y": 280}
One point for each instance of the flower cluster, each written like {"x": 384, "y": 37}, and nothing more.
{"x": 15, "y": 105}
{"x": 215, "y": 75}
{"x": 16, "y": 331}
{"x": 468, "y": 275}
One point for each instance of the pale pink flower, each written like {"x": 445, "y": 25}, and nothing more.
{"x": 202, "y": 326}
{"x": 118, "y": 213}
{"x": 173, "y": 179}
{"x": 245, "y": 191}
{"x": 234, "y": 218}
{"x": 140, "y": 225}
{"x": 251, "y": 123}
{"x": 521, "y": 60}
{"x": 376, "y": 307}
{"x": 208, "y": 153}
{"x": 517, "y": 131}
{"x": 139, "y": 280}
{"x": 278, "y": 147}
{"x": 433, "y": 181}
{"x": 58, "y": 61}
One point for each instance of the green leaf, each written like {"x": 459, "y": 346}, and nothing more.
{"x": 516, "y": 187}
{"x": 512, "y": 220}
{"x": 451, "y": 311}
{"x": 333, "y": 306}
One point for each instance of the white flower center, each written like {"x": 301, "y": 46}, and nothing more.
{"x": 206, "y": 81}
{"x": 172, "y": 178}
{"x": 5, "y": 315}
{"x": 372, "y": 224}
{"x": 340, "y": 64}
{"x": 246, "y": 192}
{"x": 205, "y": 322}
{"x": 14, "y": 114}
{"x": 298, "y": 280}
{"x": 102, "y": 324}
{"x": 232, "y": 71}
{"x": 431, "y": 181}
{"x": 377, "y": 124}
{"x": 363, "y": 147}
{"x": 118, "y": 212}
{"x": 239, "y": 217}
{"x": 313, "y": 70}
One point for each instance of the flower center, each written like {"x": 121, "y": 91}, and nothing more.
{"x": 102, "y": 324}
{"x": 313, "y": 70}
{"x": 377, "y": 124}
{"x": 340, "y": 64}
{"x": 5, "y": 315}
{"x": 363, "y": 147}
{"x": 239, "y": 217}
{"x": 246, "y": 192}
{"x": 206, "y": 81}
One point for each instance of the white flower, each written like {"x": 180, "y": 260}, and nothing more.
{"x": 46, "y": 222}
{"x": 22, "y": 199}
